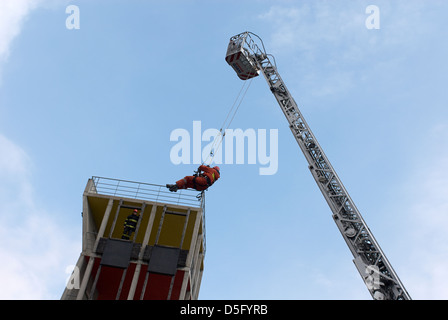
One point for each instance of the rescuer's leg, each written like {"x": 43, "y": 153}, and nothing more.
{"x": 184, "y": 183}
{"x": 126, "y": 234}
{"x": 200, "y": 183}
{"x": 172, "y": 187}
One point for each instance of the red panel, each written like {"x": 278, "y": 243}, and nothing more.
{"x": 96, "y": 263}
{"x": 175, "y": 292}
{"x": 108, "y": 282}
{"x": 158, "y": 287}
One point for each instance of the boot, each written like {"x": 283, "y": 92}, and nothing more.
{"x": 172, "y": 187}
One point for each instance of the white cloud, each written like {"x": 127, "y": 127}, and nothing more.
{"x": 14, "y": 169}
{"x": 427, "y": 219}
{"x": 34, "y": 250}
{"x": 330, "y": 42}
{"x": 14, "y": 160}
{"x": 312, "y": 25}
{"x": 18, "y": 277}
{"x": 318, "y": 33}
{"x": 12, "y": 16}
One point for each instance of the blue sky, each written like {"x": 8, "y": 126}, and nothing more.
{"x": 103, "y": 100}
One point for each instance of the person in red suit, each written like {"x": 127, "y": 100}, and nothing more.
{"x": 204, "y": 178}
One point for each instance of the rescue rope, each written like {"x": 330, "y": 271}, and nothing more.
{"x": 222, "y": 131}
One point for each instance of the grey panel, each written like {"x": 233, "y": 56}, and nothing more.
{"x": 117, "y": 253}
{"x": 136, "y": 250}
{"x": 101, "y": 245}
{"x": 163, "y": 260}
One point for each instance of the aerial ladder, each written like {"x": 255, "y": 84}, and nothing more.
{"x": 247, "y": 56}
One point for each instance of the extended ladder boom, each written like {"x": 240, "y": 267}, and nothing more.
{"x": 248, "y": 60}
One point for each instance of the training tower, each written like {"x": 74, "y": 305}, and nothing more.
{"x": 164, "y": 259}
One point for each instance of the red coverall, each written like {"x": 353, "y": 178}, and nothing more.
{"x": 202, "y": 181}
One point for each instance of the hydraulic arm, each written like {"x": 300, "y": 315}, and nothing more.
{"x": 247, "y": 56}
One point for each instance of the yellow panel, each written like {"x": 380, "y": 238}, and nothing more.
{"x": 155, "y": 226}
{"x": 97, "y": 208}
{"x": 171, "y": 233}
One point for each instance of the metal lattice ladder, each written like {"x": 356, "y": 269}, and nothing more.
{"x": 378, "y": 274}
